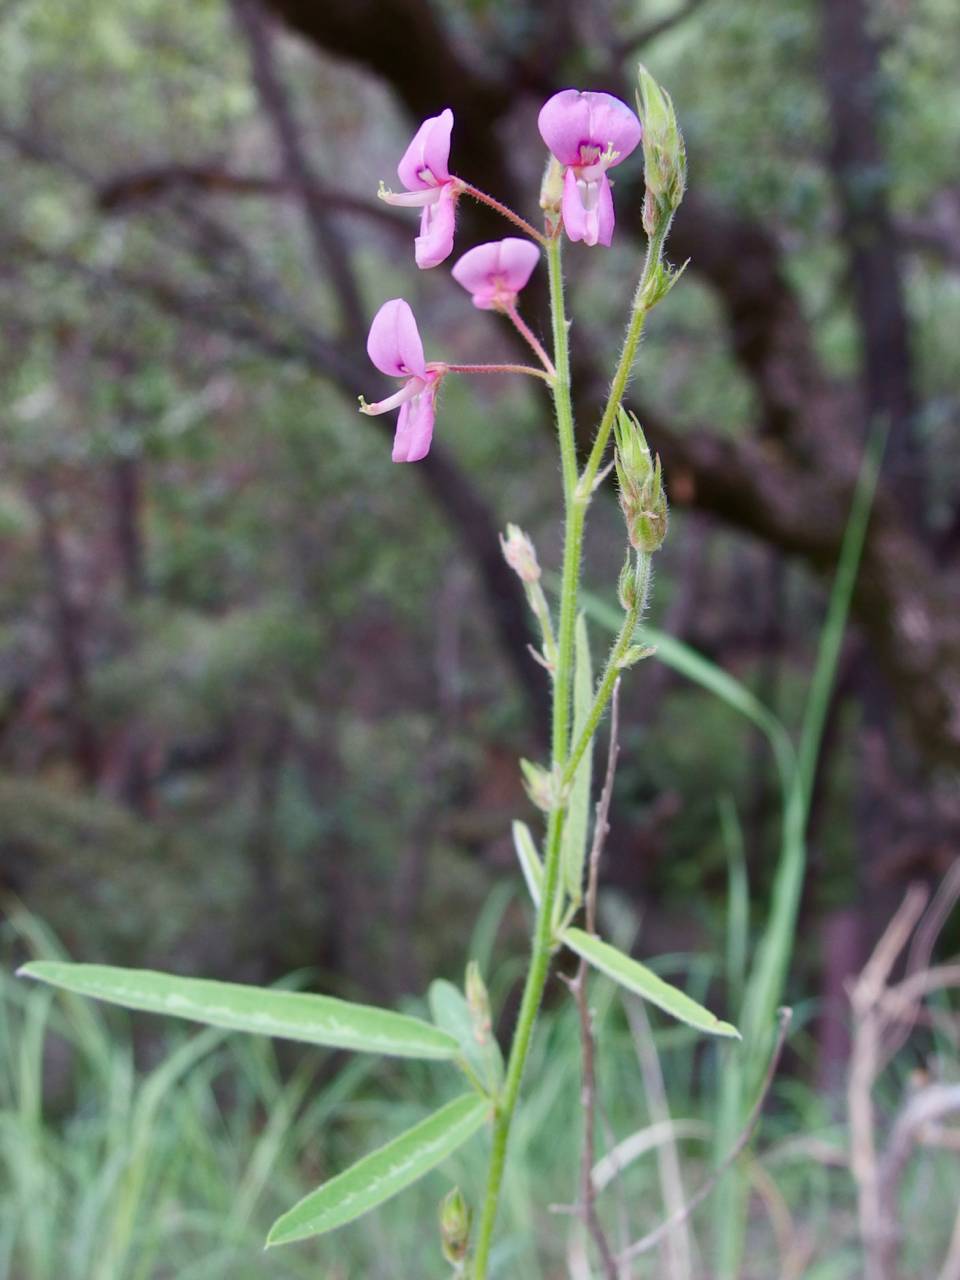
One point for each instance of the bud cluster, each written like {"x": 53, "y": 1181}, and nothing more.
{"x": 664, "y": 152}
{"x": 642, "y": 497}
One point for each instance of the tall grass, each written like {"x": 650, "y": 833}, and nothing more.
{"x": 169, "y": 1158}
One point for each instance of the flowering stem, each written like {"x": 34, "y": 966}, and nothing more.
{"x": 531, "y": 338}
{"x": 505, "y": 211}
{"x": 574, "y": 509}
{"x": 638, "y": 316}
{"x": 499, "y": 368}
{"x": 612, "y": 671}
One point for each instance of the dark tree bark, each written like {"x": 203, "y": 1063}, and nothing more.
{"x": 68, "y": 632}
{"x": 861, "y": 176}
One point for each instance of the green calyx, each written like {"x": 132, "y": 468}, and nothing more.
{"x": 642, "y": 497}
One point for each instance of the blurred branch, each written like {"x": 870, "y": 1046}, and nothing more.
{"x": 643, "y": 36}
{"x": 31, "y": 146}
{"x": 153, "y": 182}
{"x": 329, "y": 247}
{"x": 877, "y": 1007}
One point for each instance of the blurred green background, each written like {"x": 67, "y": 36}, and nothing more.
{"x": 262, "y": 692}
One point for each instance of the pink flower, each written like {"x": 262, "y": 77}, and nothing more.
{"x": 589, "y": 133}
{"x": 495, "y": 273}
{"x": 394, "y": 346}
{"x": 424, "y": 171}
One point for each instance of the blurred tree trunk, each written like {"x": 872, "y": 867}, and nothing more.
{"x": 861, "y": 176}
{"x": 67, "y": 625}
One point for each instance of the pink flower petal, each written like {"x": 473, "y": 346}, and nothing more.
{"x": 572, "y": 123}
{"x": 574, "y": 214}
{"x": 394, "y": 344}
{"x": 425, "y": 161}
{"x": 517, "y": 261}
{"x": 587, "y": 209}
{"x": 496, "y": 271}
{"x": 605, "y": 218}
{"x": 435, "y": 242}
{"x": 415, "y": 426}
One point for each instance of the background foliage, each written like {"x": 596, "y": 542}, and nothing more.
{"x": 261, "y": 692}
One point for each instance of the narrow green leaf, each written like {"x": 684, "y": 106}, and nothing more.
{"x": 529, "y": 859}
{"x": 644, "y": 982}
{"x": 383, "y": 1173}
{"x": 286, "y": 1015}
{"x": 574, "y": 846}
{"x": 451, "y": 1012}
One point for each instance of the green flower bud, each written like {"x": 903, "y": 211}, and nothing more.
{"x": 627, "y": 585}
{"x": 455, "y": 1218}
{"x": 664, "y": 153}
{"x": 642, "y": 498}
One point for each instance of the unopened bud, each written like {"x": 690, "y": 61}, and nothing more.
{"x": 642, "y": 498}
{"x": 455, "y": 1217}
{"x": 520, "y": 554}
{"x": 478, "y": 1000}
{"x": 539, "y": 785}
{"x": 664, "y": 152}
{"x": 627, "y": 585}
{"x": 551, "y": 188}
{"x": 634, "y": 654}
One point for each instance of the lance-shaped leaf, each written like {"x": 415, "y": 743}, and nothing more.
{"x": 383, "y": 1173}
{"x": 286, "y": 1015}
{"x": 575, "y": 824}
{"x": 529, "y": 860}
{"x": 644, "y": 982}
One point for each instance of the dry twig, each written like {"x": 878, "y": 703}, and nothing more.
{"x": 883, "y": 1017}
{"x": 652, "y": 1238}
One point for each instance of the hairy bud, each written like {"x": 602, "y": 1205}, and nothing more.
{"x": 664, "y": 152}
{"x": 455, "y": 1218}
{"x": 642, "y": 498}
{"x": 520, "y": 554}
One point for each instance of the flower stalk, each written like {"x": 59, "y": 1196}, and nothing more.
{"x": 543, "y": 940}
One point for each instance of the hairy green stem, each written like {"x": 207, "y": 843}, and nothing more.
{"x": 628, "y": 354}
{"x": 611, "y": 672}
{"x": 574, "y": 511}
